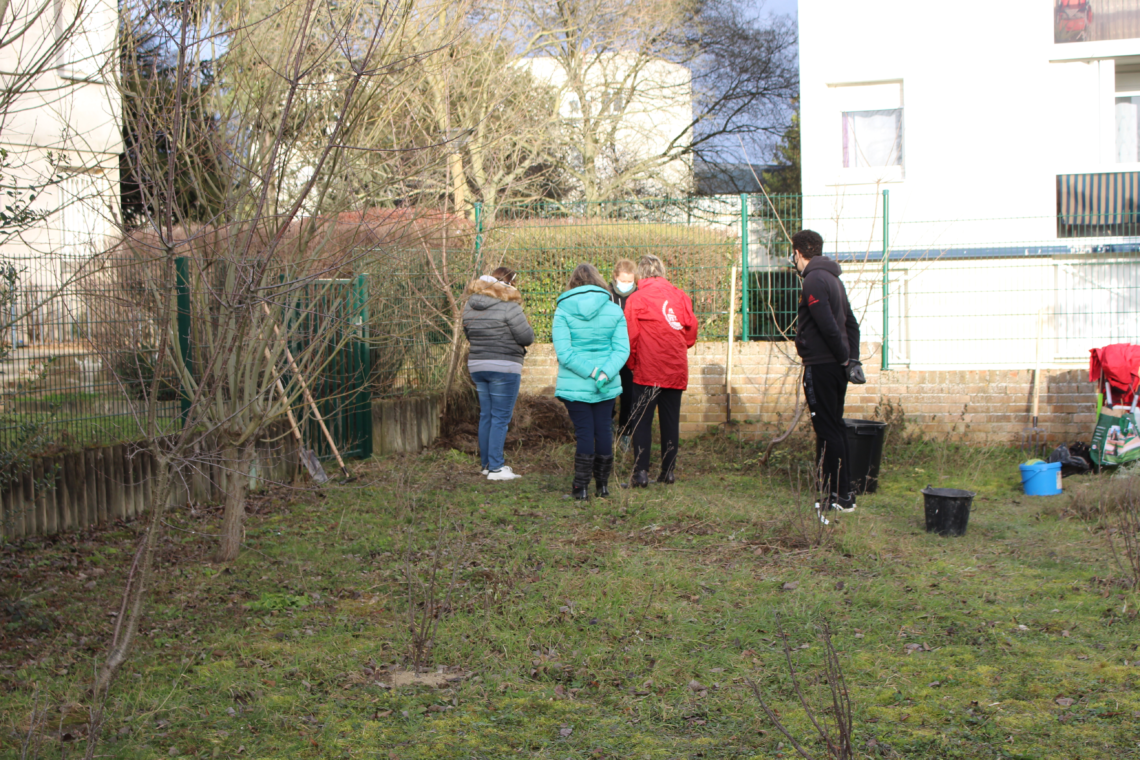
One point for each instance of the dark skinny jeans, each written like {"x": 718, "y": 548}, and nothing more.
{"x": 593, "y": 427}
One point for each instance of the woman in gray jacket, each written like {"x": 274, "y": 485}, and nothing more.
{"x": 498, "y": 332}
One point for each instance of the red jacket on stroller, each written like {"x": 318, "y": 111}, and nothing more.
{"x": 1119, "y": 366}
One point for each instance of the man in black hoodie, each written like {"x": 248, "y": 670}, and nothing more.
{"x": 827, "y": 340}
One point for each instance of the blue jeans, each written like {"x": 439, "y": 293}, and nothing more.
{"x": 498, "y": 392}
{"x": 593, "y": 426}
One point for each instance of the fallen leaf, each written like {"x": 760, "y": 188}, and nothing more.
{"x": 695, "y": 685}
{"x": 564, "y": 732}
{"x": 790, "y": 586}
{"x": 934, "y": 684}
{"x": 1064, "y": 701}
{"x": 1065, "y": 634}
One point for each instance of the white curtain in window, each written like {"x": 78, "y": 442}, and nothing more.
{"x": 1127, "y": 130}
{"x": 872, "y": 138}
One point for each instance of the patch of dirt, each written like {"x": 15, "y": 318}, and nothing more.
{"x": 437, "y": 680}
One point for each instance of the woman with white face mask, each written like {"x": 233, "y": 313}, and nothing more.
{"x": 622, "y": 287}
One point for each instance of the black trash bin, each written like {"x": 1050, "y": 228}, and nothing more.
{"x": 865, "y": 453}
{"x": 947, "y": 510}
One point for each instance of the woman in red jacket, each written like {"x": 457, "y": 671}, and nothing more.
{"x": 662, "y": 329}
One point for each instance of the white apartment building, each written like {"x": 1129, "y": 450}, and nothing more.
{"x": 63, "y": 133}
{"x": 1008, "y": 139}
{"x": 646, "y": 106}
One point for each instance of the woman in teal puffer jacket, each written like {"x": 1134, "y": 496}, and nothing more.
{"x": 592, "y": 344}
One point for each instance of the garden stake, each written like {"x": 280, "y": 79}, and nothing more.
{"x": 348, "y": 477}
{"x": 1033, "y": 438}
{"x": 308, "y": 458}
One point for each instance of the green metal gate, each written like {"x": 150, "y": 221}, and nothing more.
{"x": 337, "y": 310}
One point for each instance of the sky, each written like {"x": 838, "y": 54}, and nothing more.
{"x": 778, "y": 6}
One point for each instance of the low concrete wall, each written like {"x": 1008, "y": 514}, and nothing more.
{"x": 979, "y": 406}
{"x": 404, "y": 425}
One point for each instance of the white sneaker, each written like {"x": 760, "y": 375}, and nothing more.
{"x": 485, "y": 472}
{"x": 503, "y": 473}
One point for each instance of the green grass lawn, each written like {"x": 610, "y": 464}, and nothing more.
{"x": 626, "y": 628}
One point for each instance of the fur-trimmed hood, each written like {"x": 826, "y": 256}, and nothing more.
{"x": 495, "y": 290}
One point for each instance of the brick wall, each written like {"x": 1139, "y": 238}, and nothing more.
{"x": 979, "y": 406}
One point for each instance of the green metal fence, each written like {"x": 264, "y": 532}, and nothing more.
{"x": 80, "y": 360}
{"x": 930, "y": 292}
{"x": 55, "y": 384}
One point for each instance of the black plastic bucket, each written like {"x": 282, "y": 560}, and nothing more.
{"x": 865, "y": 453}
{"x": 947, "y": 510}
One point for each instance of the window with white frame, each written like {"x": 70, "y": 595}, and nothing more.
{"x": 870, "y": 134}
{"x": 872, "y": 138}
{"x": 1127, "y": 108}
{"x": 83, "y": 220}
{"x": 1127, "y": 129}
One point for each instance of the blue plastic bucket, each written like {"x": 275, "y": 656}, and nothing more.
{"x": 1041, "y": 479}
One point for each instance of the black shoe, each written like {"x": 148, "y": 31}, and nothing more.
{"x": 603, "y": 466}
{"x": 583, "y": 469}
{"x": 640, "y": 479}
{"x": 668, "y": 478}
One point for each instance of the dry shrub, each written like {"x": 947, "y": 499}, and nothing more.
{"x": 831, "y": 716}
{"x": 799, "y": 525}
{"x": 1098, "y": 496}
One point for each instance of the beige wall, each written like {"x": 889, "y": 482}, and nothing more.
{"x": 979, "y": 406}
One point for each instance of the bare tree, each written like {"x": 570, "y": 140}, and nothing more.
{"x": 645, "y": 86}
{"x": 256, "y": 272}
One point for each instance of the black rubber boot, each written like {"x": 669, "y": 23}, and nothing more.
{"x": 583, "y": 469}
{"x": 603, "y": 466}
{"x": 640, "y": 479}
{"x": 667, "y": 478}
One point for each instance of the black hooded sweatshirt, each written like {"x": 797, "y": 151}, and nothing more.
{"x": 826, "y": 328}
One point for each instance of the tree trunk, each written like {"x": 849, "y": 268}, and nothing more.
{"x": 138, "y": 580}
{"x": 238, "y": 459}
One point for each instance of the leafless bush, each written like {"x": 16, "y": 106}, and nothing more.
{"x": 901, "y": 431}
{"x": 1120, "y": 512}
{"x": 805, "y": 521}
{"x": 835, "y": 732}
{"x": 430, "y": 576}
{"x": 1095, "y": 497}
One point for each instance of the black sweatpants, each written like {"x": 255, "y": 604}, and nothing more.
{"x": 625, "y": 406}
{"x": 667, "y": 402}
{"x": 825, "y": 388}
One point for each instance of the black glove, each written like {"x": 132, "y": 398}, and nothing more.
{"x": 855, "y": 373}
